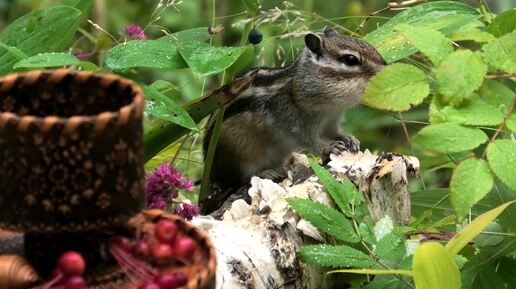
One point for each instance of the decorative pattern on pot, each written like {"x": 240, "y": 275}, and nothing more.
{"x": 71, "y": 151}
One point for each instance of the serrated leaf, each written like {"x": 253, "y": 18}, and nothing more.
{"x": 501, "y": 155}
{"x": 503, "y": 23}
{"x": 430, "y": 42}
{"x": 383, "y": 227}
{"x": 334, "y": 256}
{"x": 511, "y": 122}
{"x": 445, "y": 16}
{"x": 50, "y": 59}
{"x": 496, "y": 94}
{"x": 397, "y": 87}
{"x": 343, "y": 193}
{"x": 433, "y": 267}
{"x": 500, "y": 53}
{"x": 205, "y": 59}
{"x": 390, "y": 247}
{"x": 162, "y": 107}
{"x": 42, "y": 30}
{"x": 461, "y": 73}
{"x": 161, "y": 53}
{"x": 476, "y": 35}
{"x": 474, "y": 228}
{"x": 474, "y": 112}
{"x": 470, "y": 182}
{"x": 326, "y": 219}
{"x": 450, "y": 137}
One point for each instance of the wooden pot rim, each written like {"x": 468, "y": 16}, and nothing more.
{"x": 54, "y": 77}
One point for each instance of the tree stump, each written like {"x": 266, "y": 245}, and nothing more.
{"x": 256, "y": 244}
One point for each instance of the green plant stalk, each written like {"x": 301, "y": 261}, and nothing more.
{"x": 210, "y": 154}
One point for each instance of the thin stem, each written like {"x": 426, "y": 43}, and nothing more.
{"x": 389, "y": 6}
{"x": 505, "y": 117}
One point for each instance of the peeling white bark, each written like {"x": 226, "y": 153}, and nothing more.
{"x": 256, "y": 244}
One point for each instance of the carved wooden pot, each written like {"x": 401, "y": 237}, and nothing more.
{"x": 71, "y": 151}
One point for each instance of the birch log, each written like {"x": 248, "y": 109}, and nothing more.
{"x": 256, "y": 244}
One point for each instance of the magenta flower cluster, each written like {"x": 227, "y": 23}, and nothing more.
{"x": 187, "y": 211}
{"x": 163, "y": 184}
{"x": 135, "y": 32}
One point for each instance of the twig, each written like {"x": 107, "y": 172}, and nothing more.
{"x": 505, "y": 117}
{"x": 496, "y": 75}
{"x": 405, "y": 131}
{"x": 389, "y": 6}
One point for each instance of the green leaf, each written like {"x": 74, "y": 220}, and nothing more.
{"x": 50, "y": 59}
{"x": 334, "y": 256}
{"x": 471, "y": 181}
{"x": 445, "y": 16}
{"x": 165, "y": 108}
{"x": 326, "y": 219}
{"x": 461, "y": 73}
{"x": 205, "y": 59}
{"x": 397, "y": 87}
{"x": 343, "y": 193}
{"x": 496, "y": 94}
{"x": 390, "y": 247}
{"x": 471, "y": 231}
{"x": 475, "y": 34}
{"x": 17, "y": 53}
{"x": 42, "y": 30}
{"x": 144, "y": 54}
{"x": 500, "y": 53}
{"x": 501, "y": 155}
{"x": 433, "y": 268}
{"x": 430, "y": 42}
{"x": 491, "y": 236}
{"x": 372, "y": 271}
{"x": 503, "y": 23}
{"x": 511, "y": 122}
{"x": 450, "y": 137}
{"x": 474, "y": 112}
{"x": 160, "y": 53}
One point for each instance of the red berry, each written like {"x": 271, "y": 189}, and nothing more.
{"x": 181, "y": 278}
{"x": 166, "y": 231}
{"x": 166, "y": 281}
{"x": 184, "y": 248}
{"x": 149, "y": 286}
{"x": 162, "y": 254}
{"x": 141, "y": 250}
{"x": 122, "y": 243}
{"x": 75, "y": 282}
{"x": 71, "y": 263}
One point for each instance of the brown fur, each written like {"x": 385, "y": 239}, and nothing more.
{"x": 285, "y": 109}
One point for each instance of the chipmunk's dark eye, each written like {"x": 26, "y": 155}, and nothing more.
{"x": 350, "y": 60}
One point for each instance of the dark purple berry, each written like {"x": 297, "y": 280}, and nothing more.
{"x": 255, "y": 36}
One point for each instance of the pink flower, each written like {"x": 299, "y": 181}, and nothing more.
{"x": 135, "y": 32}
{"x": 163, "y": 184}
{"x": 187, "y": 211}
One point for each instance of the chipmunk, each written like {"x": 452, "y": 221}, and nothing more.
{"x": 284, "y": 109}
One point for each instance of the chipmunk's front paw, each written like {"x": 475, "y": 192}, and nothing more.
{"x": 352, "y": 144}
{"x": 344, "y": 143}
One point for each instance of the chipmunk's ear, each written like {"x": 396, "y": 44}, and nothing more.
{"x": 313, "y": 42}
{"x": 330, "y": 31}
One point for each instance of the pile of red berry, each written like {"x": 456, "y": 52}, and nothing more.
{"x": 165, "y": 248}
{"x": 68, "y": 274}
